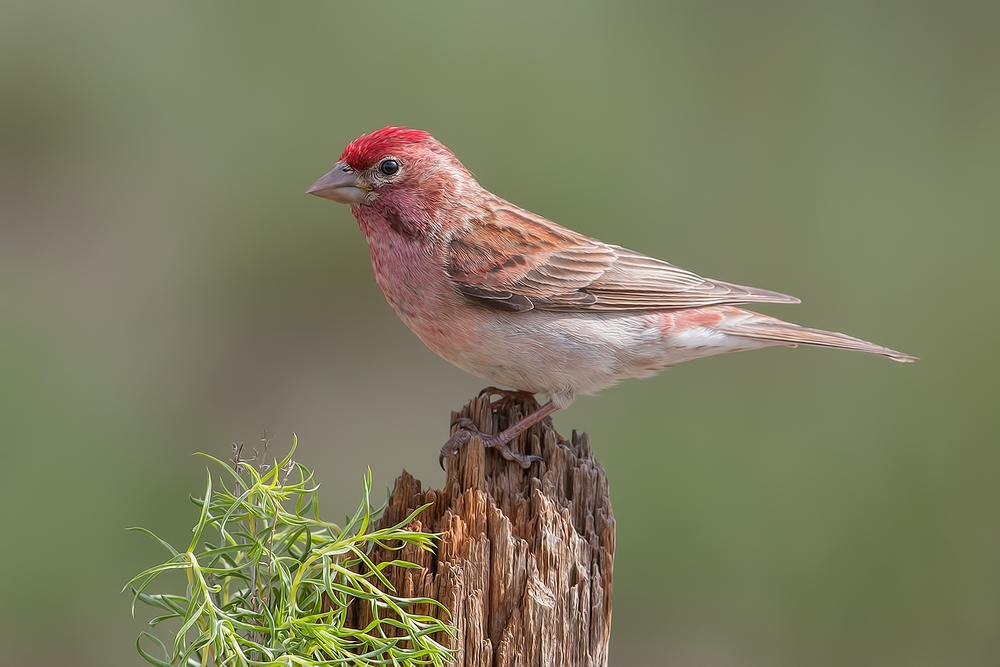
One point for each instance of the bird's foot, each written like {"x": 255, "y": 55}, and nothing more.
{"x": 500, "y": 442}
{"x": 508, "y": 396}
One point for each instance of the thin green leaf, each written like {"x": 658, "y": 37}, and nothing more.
{"x": 203, "y": 519}
{"x": 140, "y": 529}
{"x": 272, "y": 582}
{"x": 146, "y": 656}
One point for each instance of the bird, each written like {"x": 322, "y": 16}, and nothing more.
{"x": 525, "y": 303}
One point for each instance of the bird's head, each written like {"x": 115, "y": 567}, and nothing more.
{"x": 391, "y": 163}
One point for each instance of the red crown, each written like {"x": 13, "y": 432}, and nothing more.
{"x": 364, "y": 151}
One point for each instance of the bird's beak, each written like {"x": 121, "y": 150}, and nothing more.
{"x": 341, "y": 185}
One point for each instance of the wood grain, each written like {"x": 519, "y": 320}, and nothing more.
{"x": 525, "y": 559}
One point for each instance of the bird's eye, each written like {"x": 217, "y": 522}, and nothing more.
{"x": 388, "y": 167}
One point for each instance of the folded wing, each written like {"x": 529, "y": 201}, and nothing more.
{"x": 516, "y": 261}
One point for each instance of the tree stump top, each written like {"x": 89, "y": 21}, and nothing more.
{"x": 524, "y": 563}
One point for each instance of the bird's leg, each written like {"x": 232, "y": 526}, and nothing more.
{"x": 507, "y": 396}
{"x": 467, "y": 430}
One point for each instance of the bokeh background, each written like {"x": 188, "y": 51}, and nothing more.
{"x": 166, "y": 287}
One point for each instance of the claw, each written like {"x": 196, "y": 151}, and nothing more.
{"x": 464, "y": 422}
{"x": 468, "y": 430}
{"x": 456, "y": 441}
{"x": 523, "y": 460}
{"x": 506, "y": 396}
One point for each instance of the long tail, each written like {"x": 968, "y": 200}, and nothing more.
{"x": 764, "y": 328}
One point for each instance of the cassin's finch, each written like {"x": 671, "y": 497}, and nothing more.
{"x": 520, "y": 301}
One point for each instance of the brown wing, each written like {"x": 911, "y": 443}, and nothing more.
{"x": 518, "y": 261}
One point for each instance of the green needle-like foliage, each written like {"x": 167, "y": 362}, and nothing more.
{"x": 270, "y": 583}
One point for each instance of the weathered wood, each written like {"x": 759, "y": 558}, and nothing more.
{"x": 525, "y": 558}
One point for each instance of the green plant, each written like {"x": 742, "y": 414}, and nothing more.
{"x": 275, "y": 583}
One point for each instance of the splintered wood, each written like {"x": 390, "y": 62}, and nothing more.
{"x": 525, "y": 558}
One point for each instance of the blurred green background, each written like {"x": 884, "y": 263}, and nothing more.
{"x": 166, "y": 287}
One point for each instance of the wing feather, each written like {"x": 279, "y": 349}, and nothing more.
{"x": 514, "y": 260}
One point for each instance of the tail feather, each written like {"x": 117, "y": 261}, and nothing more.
{"x": 777, "y": 331}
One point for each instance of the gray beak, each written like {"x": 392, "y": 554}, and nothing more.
{"x": 341, "y": 185}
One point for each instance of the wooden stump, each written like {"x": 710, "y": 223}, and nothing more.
{"x": 525, "y": 559}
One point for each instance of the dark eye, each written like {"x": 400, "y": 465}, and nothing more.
{"x": 388, "y": 167}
